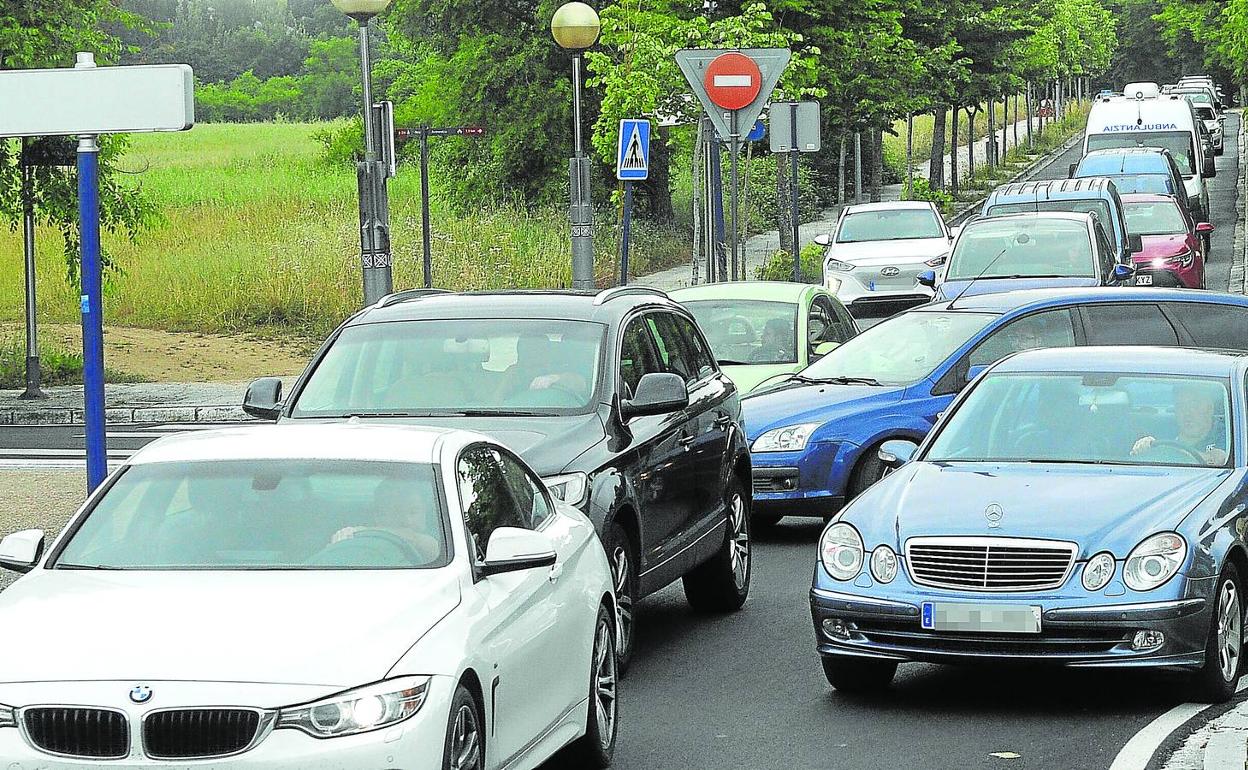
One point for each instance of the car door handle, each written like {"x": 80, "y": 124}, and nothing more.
{"x": 556, "y": 572}
{"x": 722, "y": 421}
{"x": 686, "y": 440}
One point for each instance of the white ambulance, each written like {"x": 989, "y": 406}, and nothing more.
{"x": 1164, "y": 120}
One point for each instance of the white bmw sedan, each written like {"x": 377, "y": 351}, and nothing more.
{"x": 327, "y": 596}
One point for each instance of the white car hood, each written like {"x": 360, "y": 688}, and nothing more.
{"x": 889, "y": 251}
{"x": 331, "y": 628}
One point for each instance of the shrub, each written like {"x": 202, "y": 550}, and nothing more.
{"x": 779, "y": 266}
{"x": 922, "y": 190}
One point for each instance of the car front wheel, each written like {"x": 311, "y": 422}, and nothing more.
{"x": 723, "y": 583}
{"x": 597, "y": 747}
{"x": 465, "y": 740}
{"x": 1218, "y": 679}
{"x": 620, "y": 555}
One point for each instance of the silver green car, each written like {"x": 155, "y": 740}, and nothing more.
{"x": 754, "y": 327}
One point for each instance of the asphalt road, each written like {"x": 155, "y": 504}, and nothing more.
{"x": 746, "y": 690}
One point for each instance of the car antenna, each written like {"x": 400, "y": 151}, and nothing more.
{"x": 987, "y": 267}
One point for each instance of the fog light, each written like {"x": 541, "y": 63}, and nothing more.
{"x": 836, "y": 628}
{"x": 1147, "y": 640}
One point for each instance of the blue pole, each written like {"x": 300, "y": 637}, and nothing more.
{"x": 92, "y": 309}
{"x": 628, "y": 221}
{"x": 717, "y": 204}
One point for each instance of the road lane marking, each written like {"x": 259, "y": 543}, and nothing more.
{"x": 1143, "y": 745}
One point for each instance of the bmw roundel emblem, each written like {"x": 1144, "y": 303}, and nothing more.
{"x": 141, "y": 693}
{"x": 994, "y": 514}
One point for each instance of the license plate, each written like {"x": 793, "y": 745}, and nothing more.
{"x": 1143, "y": 280}
{"x": 981, "y": 618}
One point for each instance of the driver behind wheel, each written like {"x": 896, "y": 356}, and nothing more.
{"x": 398, "y": 512}
{"x": 1194, "y": 411}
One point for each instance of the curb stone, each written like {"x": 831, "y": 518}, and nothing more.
{"x": 125, "y": 415}
{"x": 1226, "y": 751}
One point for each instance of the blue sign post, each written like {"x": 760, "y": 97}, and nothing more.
{"x": 92, "y": 309}
{"x": 632, "y": 163}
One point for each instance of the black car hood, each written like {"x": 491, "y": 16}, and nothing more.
{"x": 547, "y": 443}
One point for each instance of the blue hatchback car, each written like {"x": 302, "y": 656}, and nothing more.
{"x": 1081, "y": 507}
{"x": 814, "y": 437}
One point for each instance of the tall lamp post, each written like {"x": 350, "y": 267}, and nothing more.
{"x": 371, "y": 172}
{"x": 575, "y": 27}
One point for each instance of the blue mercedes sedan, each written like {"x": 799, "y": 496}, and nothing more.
{"x": 1081, "y": 507}
{"x": 814, "y": 436}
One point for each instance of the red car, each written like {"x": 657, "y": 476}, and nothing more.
{"x": 1172, "y": 254}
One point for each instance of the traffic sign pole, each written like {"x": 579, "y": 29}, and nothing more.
{"x": 426, "y": 233}
{"x": 33, "y": 373}
{"x": 626, "y": 229}
{"x": 735, "y": 150}
{"x": 797, "y": 225}
{"x": 92, "y": 310}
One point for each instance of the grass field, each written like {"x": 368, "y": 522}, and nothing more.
{"x": 255, "y": 231}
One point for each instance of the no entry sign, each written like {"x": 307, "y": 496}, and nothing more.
{"x": 733, "y": 80}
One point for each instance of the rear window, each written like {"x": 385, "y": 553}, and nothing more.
{"x": 1023, "y": 248}
{"x": 1154, "y": 218}
{"x": 1179, "y": 143}
{"x": 889, "y": 225}
{"x": 1080, "y": 206}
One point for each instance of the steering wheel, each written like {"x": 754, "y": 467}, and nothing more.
{"x": 408, "y": 550}
{"x": 1192, "y": 453}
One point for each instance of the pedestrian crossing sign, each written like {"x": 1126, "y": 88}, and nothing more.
{"x": 632, "y": 161}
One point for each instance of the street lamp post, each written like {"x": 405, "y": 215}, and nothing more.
{"x": 575, "y": 27}
{"x": 371, "y": 174}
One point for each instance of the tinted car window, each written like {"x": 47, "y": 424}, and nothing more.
{"x": 526, "y": 491}
{"x": 1179, "y": 143}
{"x": 1213, "y": 326}
{"x": 674, "y": 349}
{"x": 1023, "y": 247}
{"x": 1154, "y": 218}
{"x": 1128, "y": 323}
{"x": 699, "y": 354}
{"x": 637, "y": 356}
{"x": 825, "y": 325}
{"x": 1050, "y": 329}
{"x": 486, "y": 497}
{"x": 748, "y": 331}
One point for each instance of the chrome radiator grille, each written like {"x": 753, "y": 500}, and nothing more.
{"x": 78, "y": 732}
{"x": 989, "y": 563}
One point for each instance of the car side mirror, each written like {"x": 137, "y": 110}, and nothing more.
{"x": 21, "y": 551}
{"x": 1135, "y": 244}
{"x": 928, "y": 278}
{"x": 1070, "y": 172}
{"x": 822, "y": 349}
{"x": 1123, "y": 272}
{"x": 657, "y": 393}
{"x": 512, "y": 549}
{"x": 264, "y": 398}
{"x": 896, "y": 452}
{"x": 1210, "y": 170}
{"x": 1204, "y": 227}
{"x": 823, "y": 239}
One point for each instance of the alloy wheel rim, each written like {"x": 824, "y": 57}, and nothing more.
{"x": 739, "y": 546}
{"x": 465, "y": 740}
{"x": 606, "y": 707}
{"x": 623, "y": 599}
{"x": 1230, "y": 631}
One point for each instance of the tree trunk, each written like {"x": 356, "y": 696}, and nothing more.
{"x": 1005, "y": 126}
{"x": 783, "y": 204}
{"x": 699, "y": 203}
{"x": 840, "y": 173}
{"x": 1030, "y": 140}
{"x": 936, "y": 172}
{"x": 1015, "y": 121}
{"x": 909, "y": 154}
{"x": 990, "y": 147}
{"x": 857, "y": 167}
{"x": 953, "y": 160}
{"x": 877, "y": 164}
{"x": 970, "y": 144}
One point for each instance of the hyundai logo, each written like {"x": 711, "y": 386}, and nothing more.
{"x": 889, "y": 272}
{"x": 994, "y": 514}
{"x": 141, "y": 693}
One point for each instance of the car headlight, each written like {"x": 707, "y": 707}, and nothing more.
{"x": 1154, "y": 561}
{"x": 883, "y": 564}
{"x": 1098, "y": 571}
{"x": 569, "y": 487}
{"x": 791, "y": 438}
{"x": 937, "y": 261}
{"x": 8, "y": 716}
{"x": 840, "y": 550}
{"x": 837, "y": 265}
{"x": 358, "y": 711}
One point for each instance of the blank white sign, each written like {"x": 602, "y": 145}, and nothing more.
{"x": 97, "y": 100}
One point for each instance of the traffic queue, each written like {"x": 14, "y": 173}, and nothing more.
{"x": 466, "y": 494}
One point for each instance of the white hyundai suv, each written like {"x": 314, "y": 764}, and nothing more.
{"x": 877, "y": 251}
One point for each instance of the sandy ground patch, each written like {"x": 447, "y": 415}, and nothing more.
{"x": 38, "y": 500}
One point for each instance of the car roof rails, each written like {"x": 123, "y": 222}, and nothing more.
{"x": 606, "y": 295}
{"x": 407, "y": 295}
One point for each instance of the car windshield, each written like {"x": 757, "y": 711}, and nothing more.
{"x": 1179, "y": 143}
{"x": 1098, "y": 206}
{"x": 1022, "y": 248}
{"x": 889, "y": 225}
{"x": 1090, "y": 417}
{"x": 1154, "y": 218}
{"x": 899, "y": 351}
{"x": 271, "y": 514}
{"x": 463, "y": 366}
{"x": 748, "y": 331}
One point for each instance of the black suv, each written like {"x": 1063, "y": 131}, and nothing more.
{"x": 614, "y": 398}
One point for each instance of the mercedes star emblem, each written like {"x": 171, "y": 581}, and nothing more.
{"x": 994, "y": 515}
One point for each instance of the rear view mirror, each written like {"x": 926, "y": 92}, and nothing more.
{"x": 1123, "y": 272}
{"x": 1135, "y": 244}
{"x": 264, "y": 398}
{"x": 928, "y": 278}
{"x": 1210, "y": 170}
{"x": 657, "y": 393}
{"x": 823, "y": 239}
{"x": 20, "y": 551}
{"x": 1204, "y": 227}
{"x": 512, "y": 549}
{"x": 896, "y": 453}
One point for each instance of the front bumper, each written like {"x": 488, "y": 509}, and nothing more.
{"x": 1073, "y": 632}
{"x": 806, "y": 483}
{"x": 415, "y": 744}
{"x": 862, "y": 299}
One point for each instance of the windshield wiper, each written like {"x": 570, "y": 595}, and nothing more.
{"x": 834, "y": 380}
{"x": 63, "y": 565}
{"x": 1077, "y": 462}
{"x": 492, "y": 413}
{"x": 731, "y": 362}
